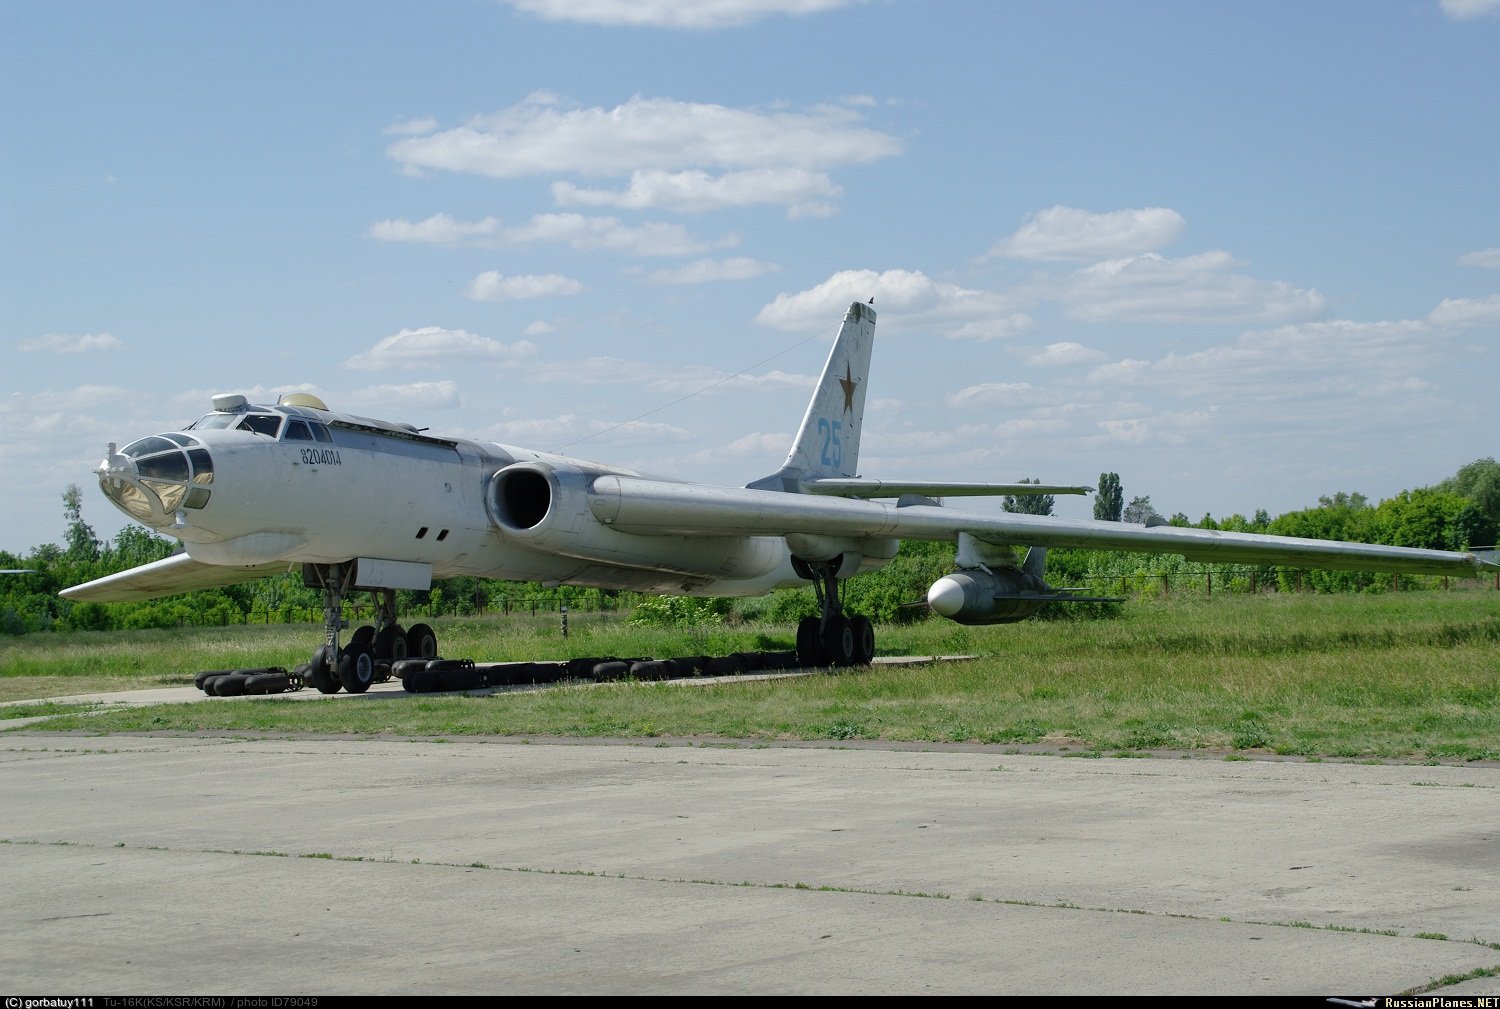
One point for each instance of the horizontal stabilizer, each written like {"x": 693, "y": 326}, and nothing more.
{"x": 859, "y": 488}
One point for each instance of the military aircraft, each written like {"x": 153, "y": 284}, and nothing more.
{"x": 370, "y": 505}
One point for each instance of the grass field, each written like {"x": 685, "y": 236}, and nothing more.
{"x": 1394, "y": 676}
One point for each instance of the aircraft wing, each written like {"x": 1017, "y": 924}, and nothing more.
{"x": 651, "y": 507}
{"x": 167, "y": 577}
{"x": 860, "y": 488}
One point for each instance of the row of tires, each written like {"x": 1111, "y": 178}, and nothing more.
{"x": 237, "y": 682}
{"x": 420, "y": 676}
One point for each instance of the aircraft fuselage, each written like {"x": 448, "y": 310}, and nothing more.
{"x": 249, "y": 485}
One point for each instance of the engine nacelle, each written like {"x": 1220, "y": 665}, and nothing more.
{"x": 983, "y": 597}
{"x": 545, "y": 506}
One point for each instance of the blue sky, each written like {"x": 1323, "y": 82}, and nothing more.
{"x": 1242, "y": 254}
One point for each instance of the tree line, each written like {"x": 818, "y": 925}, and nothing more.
{"x": 1462, "y": 512}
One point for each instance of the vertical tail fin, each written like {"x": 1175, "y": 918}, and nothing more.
{"x": 827, "y": 443}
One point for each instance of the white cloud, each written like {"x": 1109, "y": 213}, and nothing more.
{"x": 596, "y": 234}
{"x": 804, "y": 192}
{"x": 906, "y": 297}
{"x": 1468, "y": 10}
{"x": 1461, "y": 313}
{"x": 536, "y": 136}
{"x": 433, "y": 345}
{"x": 706, "y": 270}
{"x": 1307, "y": 366}
{"x": 586, "y": 234}
{"x": 1487, "y": 259}
{"x": 1063, "y": 353}
{"x": 428, "y": 395}
{"x": 695, "y": 14}
{"x": 1066, "y": 233}
{"x": 439, "y": 229}
{"x": 998, "y": 328}
{"x": 1198, "y": 288}
{"x": 492, "y": 286}
{"x": 70, "y": 343}
{"x": 538, "y": 327}
{"x": 993, "y": 394}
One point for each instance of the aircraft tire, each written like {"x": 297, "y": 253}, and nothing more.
{"x": 421, "y": 642}
{"x": 325, "y": 679}
{"x": 391, "y": 644}
{"x": 420, "y": 681}
{"x": 838, "y": 642}
{"x": 356, "y": 669}
{"x": 809, "y": 649}
{"x": 864, "y": 640}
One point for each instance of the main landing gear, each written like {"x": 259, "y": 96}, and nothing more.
{"x": 372, "y": 649}
{"x": 832, "y": 639}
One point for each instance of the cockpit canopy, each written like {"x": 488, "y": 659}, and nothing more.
{"x": 171, "y": 471}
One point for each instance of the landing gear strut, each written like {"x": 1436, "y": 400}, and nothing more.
{"x": 370, "y": 648}
{"x": 832, "y": 639}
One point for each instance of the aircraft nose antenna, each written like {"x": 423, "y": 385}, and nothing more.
{"x": 115, "y": 466}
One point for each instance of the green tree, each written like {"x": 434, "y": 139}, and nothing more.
{"x": 1140, "y": 510}
{"x": 83, "y": 545}
{"x": 1029, "y": 504}
{"x": 1109, "y": 502}
{"x": 1479, "y": 482}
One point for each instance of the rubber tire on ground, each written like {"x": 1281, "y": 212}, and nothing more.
{"x": 462, "y": 678}
{"x": 838, "y": 642}
{"x": 356, "y": 669}
{"x": 198, "y": 680}
{"x": 652, "y": 669}
{"x": 208, "y": 682}
{"x": 229, "y": 685}
{"x": 612, "y": 670}
{"x": 268, "y": 683}
{"x": 864, "y": 640}
{"x": 809, "y": 648}
{"x": 779, "y": 660}
{"x": 725, "y": 665}
{"x": 584, "y": 665}
{"x": 325, "y": 679}
{"x": 403, "y": 668}
{"x": 420, "y": 681}
{"x": 505, "y": 674}
{"x": 692, "y": 665}
{"x": 421, "y": 642}
{"x": 548, "y": 672}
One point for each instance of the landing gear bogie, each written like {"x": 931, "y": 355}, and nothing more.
{"x": 833, "y": 638}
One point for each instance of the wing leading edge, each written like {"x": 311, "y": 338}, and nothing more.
{"x": 651, "y": 507}
{"x": 860, "y": 488}
{"x": 167, "y": 577}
